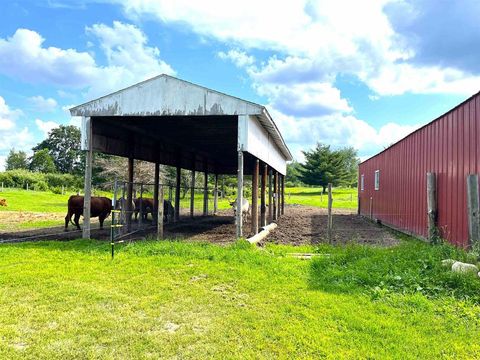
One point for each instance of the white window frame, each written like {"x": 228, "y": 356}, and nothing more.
{"x": 362, "y": 182}
{"x": 377, "y": 179}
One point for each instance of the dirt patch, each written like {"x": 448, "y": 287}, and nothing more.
{"x": 300, "y": 225}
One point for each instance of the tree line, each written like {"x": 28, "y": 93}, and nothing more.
{"x": 60, "y": 153}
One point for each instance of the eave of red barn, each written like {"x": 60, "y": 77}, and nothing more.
{"x": 446, "y": 146}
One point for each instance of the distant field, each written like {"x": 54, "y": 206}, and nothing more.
{"x": 343, "y": 198}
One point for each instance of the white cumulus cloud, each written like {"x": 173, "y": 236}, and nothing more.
{"x": 12, "y": 136}
{"x": 42, "y": 104}
{"x": 129, "y": 60}
{"x": 238, "y": 57}
{"x": 45, "y": 126}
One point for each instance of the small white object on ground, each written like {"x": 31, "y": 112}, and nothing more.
{"x": 461, "y": 267}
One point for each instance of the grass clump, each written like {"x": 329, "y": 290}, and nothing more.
{"x": 413, "y": 267}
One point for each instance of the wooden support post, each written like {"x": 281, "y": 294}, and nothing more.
{"x": 283, "y": 196}
{"x": 88, "y": 178}
{"x": 263, "y": 207}
{"x": 130, "y": 194}
{"x": 192, "y": 195}
{"x": 270, "y": 197}
{"x": 239, "y": 217}
{"x": 473, "y": 211}
{"x": 275, "y": 195}
{"x": 256, "y": 167}
{"x": 432, "y": 207}
{"x": 160, "y": 214}
{"x": 177, "y": 194}
{"x": 156, "y": 182}
{"x": 215, "y": 196}
{"x": 330, "y": 216}
{"x": 205, "y": 193}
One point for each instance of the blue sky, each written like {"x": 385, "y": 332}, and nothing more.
{"x": 345, "y": 73}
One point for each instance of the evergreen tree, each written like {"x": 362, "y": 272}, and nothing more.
{"x": 323, "y": 165}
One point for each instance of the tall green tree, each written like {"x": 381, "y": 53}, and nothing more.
{"x": 16, "y": 160}
{"x": 324, "y": 165}
{"x": 63, "y": 145}
{"x": 41, "y": 161}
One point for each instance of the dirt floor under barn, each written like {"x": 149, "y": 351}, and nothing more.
{"x": 298, "y": 226}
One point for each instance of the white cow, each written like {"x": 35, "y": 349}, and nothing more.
{"x": 245, "y": 209}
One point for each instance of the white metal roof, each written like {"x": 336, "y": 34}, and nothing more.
{"x": 165, "y": 95}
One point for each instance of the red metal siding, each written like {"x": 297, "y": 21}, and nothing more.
{"x": 447, "y": 147}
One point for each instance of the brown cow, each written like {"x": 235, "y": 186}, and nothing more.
{"x": 3, "y": 202}
{"x": 147, "y": 208}
{"x": 99, "y": 206}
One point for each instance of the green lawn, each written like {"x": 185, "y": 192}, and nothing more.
{"x": 165, "y": 299}
{"x": 343, "y": 198}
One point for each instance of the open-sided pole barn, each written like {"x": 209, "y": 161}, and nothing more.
{"x": 169, "y": 121}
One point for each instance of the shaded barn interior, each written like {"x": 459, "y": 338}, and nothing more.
{"x": 202, "y": 143}
{"x": 169, "y": 121}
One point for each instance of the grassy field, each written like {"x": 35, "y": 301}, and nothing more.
{"x": 343, "y": 198}
{"x": 29, "y": 205}
{"x": 181, "y": 300}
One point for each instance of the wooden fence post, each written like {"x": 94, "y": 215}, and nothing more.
{"x": 330, "y": 219}
{"x": 432, "y": 207}
{"x": 473, "y": 210}
{"x": 371, "y": 208}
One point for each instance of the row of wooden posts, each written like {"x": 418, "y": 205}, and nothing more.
{"x": 473, "y": 209}
{"x": 276, "y": 196}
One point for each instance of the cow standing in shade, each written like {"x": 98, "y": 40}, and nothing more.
{"x": 147, "y": 208}
{"x": 99, "y": 207}
{"x": 245, "y": 209}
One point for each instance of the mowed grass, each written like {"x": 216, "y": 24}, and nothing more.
{"x": 34, "y": 201}
{"x": 182, "y": 300}
{"x": 343, "y": 198}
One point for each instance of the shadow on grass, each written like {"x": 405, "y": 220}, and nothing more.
{"x": 412, "y": 267}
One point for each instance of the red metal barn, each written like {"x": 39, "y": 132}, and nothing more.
{"x": 392, "y": 184}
